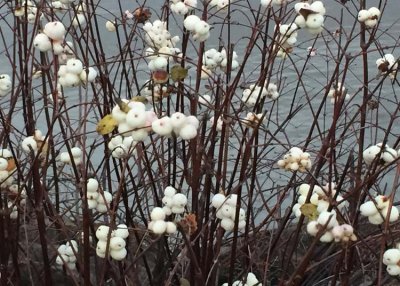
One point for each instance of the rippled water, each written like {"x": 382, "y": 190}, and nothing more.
{"x": 316, "y": 76}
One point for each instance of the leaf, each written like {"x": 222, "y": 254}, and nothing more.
{"x": 122, "y": 105}
{"x": 106, "y": 125}
{"x": 184, "y": 282}
{"x": 43, "y": 146}
{"x": 141, "y": 99}
{"x": 11, "y": 164}
{"x": 305, "y": 12}
{"x": 160, "y": 76}
{"x": 309, "y": 211}
{"x": 178, "y": 73}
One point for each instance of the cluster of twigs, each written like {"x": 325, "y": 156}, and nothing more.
{"x": 239, "y": 159}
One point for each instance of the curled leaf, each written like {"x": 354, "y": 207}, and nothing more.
{"x": 160, "y": 76}
{"x": 309, "y": 211}
{"x": 141, "y": 99}
{"x": 178, "y": 73}
{"x": 106, "y": 125}
{"x": 122, "y": 105}
{"x": 11, "y": 164}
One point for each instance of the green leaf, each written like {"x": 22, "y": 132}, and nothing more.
{"x": 309, "y": 211}
{"x": 178, "y": 73}
{"x": 106, "y": 125}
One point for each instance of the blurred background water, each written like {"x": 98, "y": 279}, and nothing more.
{"x": 317, "y": 74}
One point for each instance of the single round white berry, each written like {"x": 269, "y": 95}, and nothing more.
{"x": 218, "y": 200}
{"x": 368, "y": 209}
{"x": 363, "y": 15}
{"x": 55, "y": 30}
{"x": 102, "y": 232}
{"x": 313, "y": 228}
{"x": 171, "y": 227}
{"x": 179, "y": 200}
{"x": 227, "y": 224}
{"x": 327, "y": 237}
{"x": 328, "y": 218}
{"x": 157, "y": 214}
{"x": 391, "y": 256}
{"x": 393, "y": 270}
{"x": 92, "y": 185}
{"x": 159, "y": 227}
{"x": 121, "y": 231}
{"x": 119, "y": 254}
{"x": 117, "y": 243}
{"x": 169, "y": 191}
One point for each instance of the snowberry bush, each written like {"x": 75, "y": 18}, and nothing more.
{"x": 187, "y": 142}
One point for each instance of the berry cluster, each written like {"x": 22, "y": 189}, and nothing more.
{"x": 73, "y": 73}
{"x": 67, "y": 254}
{"x": 174, "y": 203}
{"x": 295, "y": 160}
{"x": 255, "y": 93}
{"x": 320, "y": 197}
{"x": 226, "y": 211}
{"x": 112, "y": 242}
{"x": 76, "y": 156}
{"x": 159, "y": 59}
{"x": 95, "y": 199}
{"x": 182, "y": 7}
{"x": 154, "y": 92}
{"x": 213, "y": 59}
{"x": 178, "y": 124}
{"x": 17, "y": 197}
{"x": 252, "y": 119}
{"x": 7, "y": 168}
{"x": 266, "y": 3}
{"x": 287, "y": 39}
{"x": 387, "y": 65}
{"x": 62, "y": 5}
{"x": 338, "y": 92}
{"x": 29, "y": 9}
{"x": 52, "y": 38}
{"x": 220, "y": 123}
{"x": 157, "y": 35}
{"x": 199, "y": 28}
{"x": 158, "y": 225}
{"x": 5, "y": 84}
{"x": 251, "y": 280}
{"x": 311, "y": 16}
{"x": 379, "y": 209}
{"x": 122, "y": 147}
{"x": 387, "y": 154}
{"x": 391, "y": 258}
{"x": 34, "y": 143}
{"x": 221, "y": 5}
{"x": 332, "y": 231}
{"x": 369, "y": 17}
{"x": 133, "y": 121}
{"x": 79, "y": 19}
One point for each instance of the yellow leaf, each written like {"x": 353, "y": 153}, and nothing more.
{"x": 106, "y": 125}
{"x": 122, "y": 105}
{"x": 178, "y": 73}
{"x": 184, "y": 282}
{"x": 141, "y": 99}
{"x": 309, "y": 211}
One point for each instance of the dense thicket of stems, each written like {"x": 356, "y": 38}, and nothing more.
{"x": 236, "y": 158}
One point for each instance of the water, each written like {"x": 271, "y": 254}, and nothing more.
{"x": 308, "y": 97}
